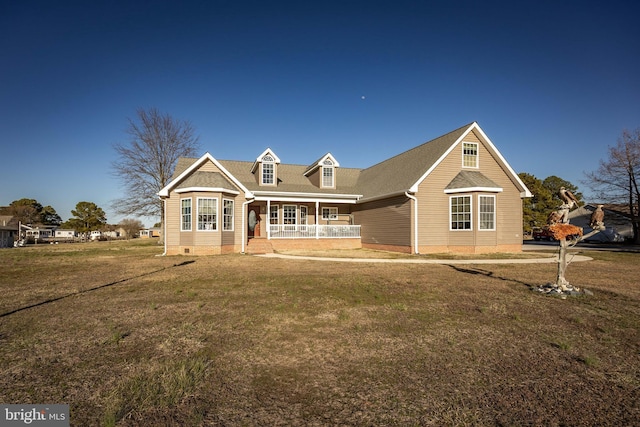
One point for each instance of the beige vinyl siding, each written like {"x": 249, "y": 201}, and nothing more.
{"x": 385, "y": 222}
{"x": 433, "y": 204}
{"x": 172, "y": 219}
{"x": 314, "y": 178}
{"x": 208, "y": 166}
{"x": 471, "y": 137}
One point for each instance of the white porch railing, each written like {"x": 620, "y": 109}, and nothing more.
{"x": 314, "y": 231}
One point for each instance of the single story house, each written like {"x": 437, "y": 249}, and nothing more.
{"x": 618, "y": 224}
{"x": 8, "y": 231}
{"x": 455, "y": 193}
{"x": 64, "y": 234}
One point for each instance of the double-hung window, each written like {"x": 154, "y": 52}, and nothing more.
{"x": 185, "y": 214}
{"x": 328, "y": 174}
{"x": 289, "y": 214}
{"x": 273, "y": 214}
{"x": 227, "y": 215}
{"x": 469, "y": 154}
{"x": 207, "y": 214}
{"x": 460, "y": 209}
{"x": 268, "y": 170}
{"x": 303, "y": 215}
{"x": 487, "y": 212}
{"x": 329, "y": 213}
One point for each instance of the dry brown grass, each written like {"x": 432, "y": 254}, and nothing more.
{"x": 129, "y": 338}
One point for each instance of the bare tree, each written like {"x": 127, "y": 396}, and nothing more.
{"x": 616, "y": 180}
{"x": 146, "y": 163}
{"x": 131, "y": 227}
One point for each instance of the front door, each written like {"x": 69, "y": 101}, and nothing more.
{"x": 254, "y": 223}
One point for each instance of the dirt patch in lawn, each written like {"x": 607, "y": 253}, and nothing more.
{"x": 241, "y": 340}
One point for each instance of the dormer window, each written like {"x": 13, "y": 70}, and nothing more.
{"x": 328, "y": 173}
{"x": 469, "y": 154}
{"x": 268, "y": 170}
{"x": 265, "y": 168}
{"x": 322, "y": 172}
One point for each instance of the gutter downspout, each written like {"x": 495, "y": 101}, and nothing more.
{"x": 317, "y": 228}
{"x": 164, "y": 227}
{"x": 244, "y": 226}
{"x": 415, "y": 221}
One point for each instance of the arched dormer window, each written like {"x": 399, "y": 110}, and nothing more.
{"x": 268, "y": 166}
{"x": 322, "y": 172}
{"x": 328, "y": 173}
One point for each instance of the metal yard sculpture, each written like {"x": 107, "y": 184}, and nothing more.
{"x": 569, "y": 235}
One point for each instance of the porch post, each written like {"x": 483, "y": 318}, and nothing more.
{"x": 317, "y": 224}
{"x": 268, "y": 219}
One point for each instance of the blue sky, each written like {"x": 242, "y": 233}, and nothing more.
{"x": 551, "y": 83}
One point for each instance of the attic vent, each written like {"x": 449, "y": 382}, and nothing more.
{"x": 268, "y": 158}
{"x": 186, "y": 250}
{"x": 328, "y": 162}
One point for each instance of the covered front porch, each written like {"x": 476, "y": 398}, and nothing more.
{"x": 302, "y": 223}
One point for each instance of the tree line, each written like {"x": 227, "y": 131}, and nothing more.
{"x": 87, "y": 217}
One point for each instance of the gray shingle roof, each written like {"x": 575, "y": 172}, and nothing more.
{"x": 391, "y": 176}
{"x": 470, "y": 179}
{"x": 399, "y": 173}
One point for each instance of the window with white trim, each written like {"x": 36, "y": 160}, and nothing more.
{"x": 289, "y": 214}
{"x": 460, "y": 209}
{"x": 487, "y": 212}
{"x": 268, "y": 170}
{"x": 207, "y": 214}
{"x": 227, "y": 214}
{"x": 273, "y": 214}
{"x": 185, "y": 214}
{"x": 328, "y": 173}
{"x": 303, "y": 215}
{"x": 329, "y": 213}
{"x": 470, "y": 154}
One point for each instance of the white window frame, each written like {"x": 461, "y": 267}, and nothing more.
{"x": 482, "y": 220}
{"x": 287, "y": 210}
{"x": 304, "y": 215}
{"x": 470, "y": 156}
{"x": 202, "y": 225}
{"x": 328, "y": 174}
{"x": 457, "y": 219}
{"x": 184, "y": 215}
{"x": 268, "y": 161}
{"x": 228, "y": 217}
{"x": 328, "y": 213}
{"x": 276, "y": 209}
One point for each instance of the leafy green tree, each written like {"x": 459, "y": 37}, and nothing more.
{"x": 26, "y": 211}
{"x": 87, "y": 216}
{"x": 553, "y": 184}
{"x": 49, "y": 216}
{"x": 536, "y": 209}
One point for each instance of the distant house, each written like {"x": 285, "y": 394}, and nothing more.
{"x": 146, "y": 233}
{"x": 38, "y": 232}
{"x": 9, "y": 228}
{"x": 455, "y": 193}
{"x": 64, "y": 234}
{"x": 618, "y": 224}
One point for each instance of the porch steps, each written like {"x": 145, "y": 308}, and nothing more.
{"x": 259, "y": 246}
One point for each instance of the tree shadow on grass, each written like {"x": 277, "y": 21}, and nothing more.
{"x": 84, "y": 291}
{"x": 487, "y": 273}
